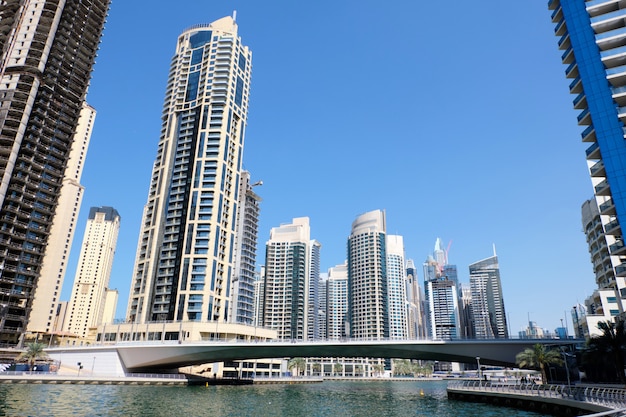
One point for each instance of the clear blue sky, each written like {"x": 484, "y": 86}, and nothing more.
{"x": 454, "y": 117}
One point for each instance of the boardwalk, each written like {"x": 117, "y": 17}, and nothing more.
{"x": 550, "y": 399}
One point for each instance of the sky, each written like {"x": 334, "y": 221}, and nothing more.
{"x": 454, "y": 117}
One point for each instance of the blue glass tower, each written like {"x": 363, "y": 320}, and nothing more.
{"x": 592, "y": 36}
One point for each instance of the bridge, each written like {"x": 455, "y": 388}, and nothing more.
{"x": 134, "y": 357}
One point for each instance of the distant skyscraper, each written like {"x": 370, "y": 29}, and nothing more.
{"x": 337, "y": 304}
{"x": 487, "y": 301}
{"x": 47, "y": 51}
{"x": 42, "y": 317}
{"x": 590, "y": 36}
{"x": 259, "y": 296}
{"x": 441, "y": 290}
{"x": 396, "y": 288}
{"x": 186, "y": 255}
{"x": 367, "y": 277}
{"x": 313, "y": 328}
{"x": 322, "y": 309}
{"x": 246, "y": 245}
{"x": 89, "y": 293}
{"x": 414, "y": 303}
{"x": 287, "y": 275}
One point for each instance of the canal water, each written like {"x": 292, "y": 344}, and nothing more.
{"x": 331, "y": 398}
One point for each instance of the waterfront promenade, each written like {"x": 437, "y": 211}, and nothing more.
{"x": 559, "y": 400}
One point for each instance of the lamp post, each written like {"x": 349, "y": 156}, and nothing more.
{"x": 569, "y": 382}
{"x": 480, "y": 378}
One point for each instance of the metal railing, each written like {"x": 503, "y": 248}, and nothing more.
{"x": 608, "y": 397}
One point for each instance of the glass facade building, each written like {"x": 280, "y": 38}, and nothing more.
{"x": 592, "y": 38}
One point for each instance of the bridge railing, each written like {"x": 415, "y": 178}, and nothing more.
{"x": 608, "y": 397}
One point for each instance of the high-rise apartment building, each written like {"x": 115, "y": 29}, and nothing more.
{"x": 245, "y": 256}
{"x": 337, "y": 302}
{"x": 415, "y": 311}
{"x": 287, "y": 275}
{"x": 186, "y": 251}
{"x": 367, "y": 277}
{"x": 313, "y": 307}
{"x": 47, "y": 52}
{"x": 321, "y": 317}
{"x": 488, "y": 310}
{"x": 54, "y": 265}
{"x": 396, "y": 288}
{"x": 591, "y": 37}
{"x": 91, "y": 283}
{"x": 441, "y": 291}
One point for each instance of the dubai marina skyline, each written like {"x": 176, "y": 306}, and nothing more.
{"x": 449, "y": 119}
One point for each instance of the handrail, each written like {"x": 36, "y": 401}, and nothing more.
{"x": 608, "y": 397}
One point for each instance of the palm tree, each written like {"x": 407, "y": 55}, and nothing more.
{"x": 298, "y": 363}
{"x": 538, "y": 357}
{"x": 611, "y": 344}
{"x": 33, "y": 352}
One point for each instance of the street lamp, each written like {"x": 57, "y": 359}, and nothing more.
{"x": 480, "y": 378}
{"x": 569, "y": 382}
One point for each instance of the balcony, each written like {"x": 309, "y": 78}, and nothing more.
{"x": 603, "y": 188}
{"x": 593, "y": 152}
{"x": 618, "y": 248}
{"x": 576, "y": 86}
{"x": 580, "y": 102}
{"x": 613, "y": 228}
{"x": 567, "y": 57}
{"x": 572, "y": 70}
{"x": 598, "y": 170}
{"x": 607, "y": 208}
{"x": 584, "y": 118}
{"x": 616, "y": 76}
{"x": 620, "y": 270}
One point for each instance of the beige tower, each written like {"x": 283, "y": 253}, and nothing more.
{"x": 87, "y": 304}
{"x": 54, "y": 263}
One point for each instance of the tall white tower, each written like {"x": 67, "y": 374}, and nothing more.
{"x": 89, "y": 293}
{"x": 367, "y": 282}
{"x": 186, "y": 251}
{"x": 396, "y": 288}
{"x": 287, "y": 276}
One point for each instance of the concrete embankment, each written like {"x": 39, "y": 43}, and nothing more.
{"x": 44, "y": 378}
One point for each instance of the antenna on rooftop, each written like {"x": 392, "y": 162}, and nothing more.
{"x": 234, "y": 15}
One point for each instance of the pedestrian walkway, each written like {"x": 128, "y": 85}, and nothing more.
{"x": 551, "y": 399}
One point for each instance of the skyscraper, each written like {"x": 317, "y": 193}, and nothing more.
{"x": 47, "y": 52}
{"x": 287, "y": 275}
{"x": 54, "y": 263}
{"x": 591, "y": 38}
{"x": 487, "y": 300}
{"x": 313, "y": 308}
{"x": 441, "y": 290}
{"x": 396, "y": 288}
{"x": 415, "y": 309}
{"x": 367, "y": 277}
{"x": 245, "y": 256}
{"x": 337, "y": 302}
{"x": 186, "y": 251}
{"x": 90, "y": 290}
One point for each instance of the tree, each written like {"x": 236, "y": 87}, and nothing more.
{"x": 611, "y": 345}
{"x": 538, "y": 357}
{"x": 337, "y": 368}
{"x": 298, "y": 363}
{"x": 33, "y": 352}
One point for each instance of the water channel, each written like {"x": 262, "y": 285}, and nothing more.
{"x": 330, "y": 398}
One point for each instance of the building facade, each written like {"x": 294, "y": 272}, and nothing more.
{"x": 592, "y": 39}
{"x": 42, "y": 316}
{"x": 337, "y": 302}
{"x": 90, "y": 290}
{"x": 287, "y": 276}
{"x": 48, "y": 49}
{"x": 415, "y": 310}
{"x": 185, "y": 259}
{"x": 488, "y": 310}
{"x": 396, "y": 288}
{"x": 367, "y": 277}
{"x": 246, "y": 245}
